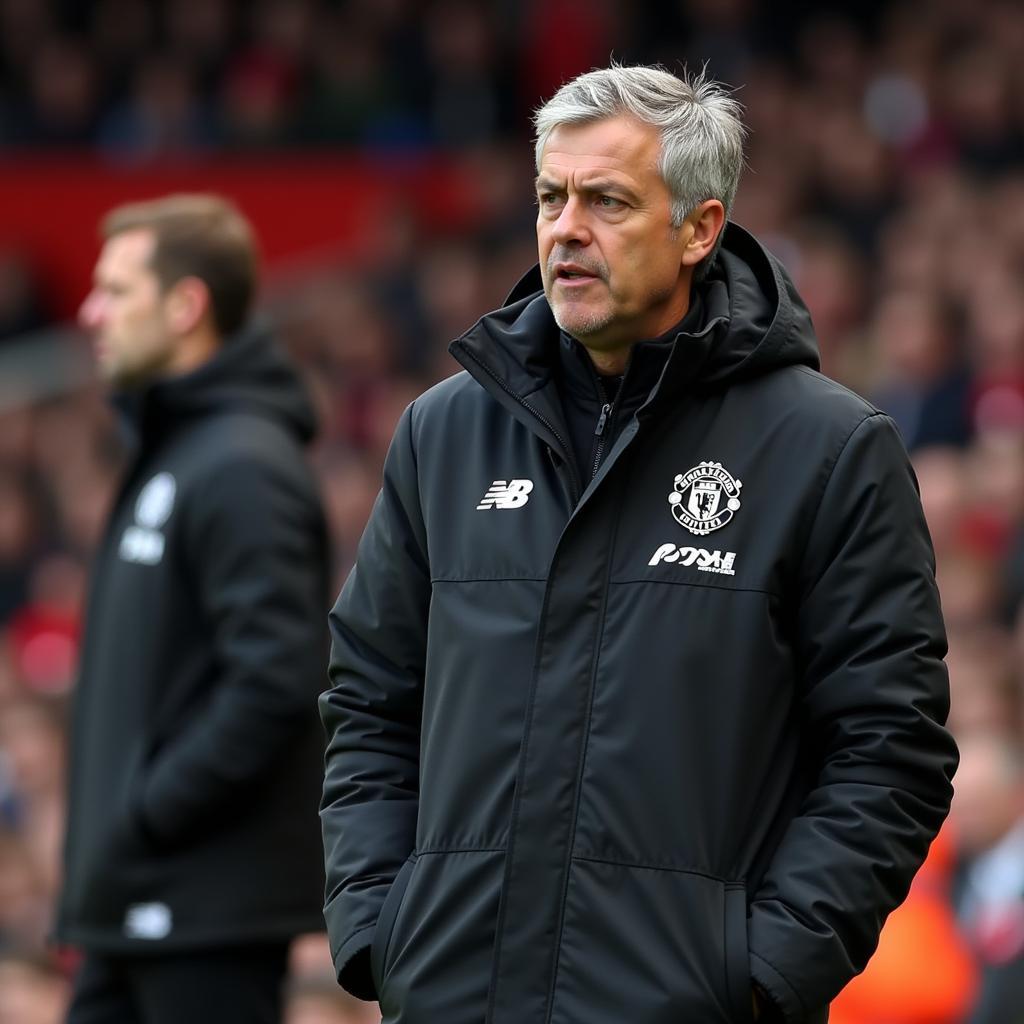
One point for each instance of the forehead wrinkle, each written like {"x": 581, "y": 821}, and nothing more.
{"x": 590, "y": 178}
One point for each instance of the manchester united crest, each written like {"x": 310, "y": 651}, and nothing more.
{"x": 705, "y": 498}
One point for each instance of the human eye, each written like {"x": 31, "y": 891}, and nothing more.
{"x": 547, "y": 200}
{"x": 607, "y": 202}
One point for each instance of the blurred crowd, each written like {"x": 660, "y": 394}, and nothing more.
{"x": 886, "y": 170}
{"x": 134, "y": 77}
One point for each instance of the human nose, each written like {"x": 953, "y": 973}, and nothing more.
{"x": 91, "y": 311}
{"x": 571, "y": 226}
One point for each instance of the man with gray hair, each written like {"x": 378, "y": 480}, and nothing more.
{"x": 638, "y": 702}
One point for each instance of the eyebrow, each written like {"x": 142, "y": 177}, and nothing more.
{"x": 601, "y": 185}
{"x": 547, "y": 184}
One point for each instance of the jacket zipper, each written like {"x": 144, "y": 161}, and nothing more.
{"x": 602, "y": 422}
{"x": 568, "y": 457}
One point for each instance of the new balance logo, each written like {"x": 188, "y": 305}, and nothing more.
{"x": 513, "y": 494}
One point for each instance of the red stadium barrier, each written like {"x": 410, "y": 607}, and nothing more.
{"x": 300, "y": 204}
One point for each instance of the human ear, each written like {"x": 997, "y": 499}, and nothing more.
{"x": 186, "y": 303}
{"x": 706, "y": 221}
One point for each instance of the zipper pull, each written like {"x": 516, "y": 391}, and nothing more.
{"x": 603, "y": 419}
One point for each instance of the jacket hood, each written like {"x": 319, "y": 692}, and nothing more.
{"x": 754, "y": 322}
{"x": 250, "y": 373}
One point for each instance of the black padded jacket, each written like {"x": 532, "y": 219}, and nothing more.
{"x": 197, "y": 754}
{"x": 616, "y": 748}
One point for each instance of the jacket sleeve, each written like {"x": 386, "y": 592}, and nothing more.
{"x": 255, "y": 550}
{"x": 874, "y": 694}
{"x": 372, "y": 716}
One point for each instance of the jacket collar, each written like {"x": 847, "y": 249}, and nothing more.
{"x": 754, "y": 322}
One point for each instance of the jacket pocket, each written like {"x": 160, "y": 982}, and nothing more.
{"x": 438, "y": 960}
{"x": 737, "y": 954}
{"x": 386, "y": 922}
{"x": 663, "y": 942}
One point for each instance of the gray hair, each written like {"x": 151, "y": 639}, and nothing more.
{"x": 701, "y": 131}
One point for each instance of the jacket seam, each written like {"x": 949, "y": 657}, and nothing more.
{"x": 488, "y": 579}
{"x": 582, "y": 763}
{"x": 611, "y": 583}
{"x": 640, "y": 866}
{"x": 499, "y": 923}
{"x": 696, "y": 583}
{"x": 831, "y": 474}
{"x": 441, "y": 850}
{"x": 413, "y": 411}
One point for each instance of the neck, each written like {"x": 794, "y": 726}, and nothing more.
{"x": 610, "y": 364}
{"x": 612, "y": 361}
{"x": 193, "y": 350}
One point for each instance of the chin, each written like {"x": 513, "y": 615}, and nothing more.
{"x": 580, "y": 324}
{"x": 120, "y": 377}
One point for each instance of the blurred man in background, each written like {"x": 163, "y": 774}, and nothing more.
{"x": 192, "y": 854}
{"x": 638, "y": 705}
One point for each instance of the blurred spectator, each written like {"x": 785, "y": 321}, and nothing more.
{"x": 923, "y": 971}
{"x": 830, "y": 276}
{"x": 558, "y": 40}
{"x": 854, "y": 183}
{"x": 163, "y": 113}
{"x": 20, "y": 540}
{"x": 981, "y": 680}
{"x": 119, "y": 31}
{"x": 978, "y": 101}
{"x": 21, "y": 308}
{"x": 351, "y": 98}
{"x": 721, "y": 35}
{"x": 968, "y": 580}
{"x": 44, "y": 631}
{"x": 61, "y": 106}
{"x": 924, "y": 382}
{"x": 10, "y": 688}
{"x": 350, "y": 483}
{"x": 995, "y": 482}
{"x": 32, "y": 737}
{"x": 257, "y": 98}
{"x": 468, "y": 91}
{"x": 940, "y": 475}
{"x": 25, "y": 903}
{"x": 200, "y": 32}
{"x": 15, "y": 436}
{"x": 24, "y": 26}
{"x": 988, "y": 815}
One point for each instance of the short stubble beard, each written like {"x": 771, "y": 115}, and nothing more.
{"x": 588, "y": 323}
{"x": 584, "y": 327}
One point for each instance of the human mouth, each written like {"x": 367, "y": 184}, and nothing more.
{"x": 573, "y": 274}
{"x": 101, "y": 351}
